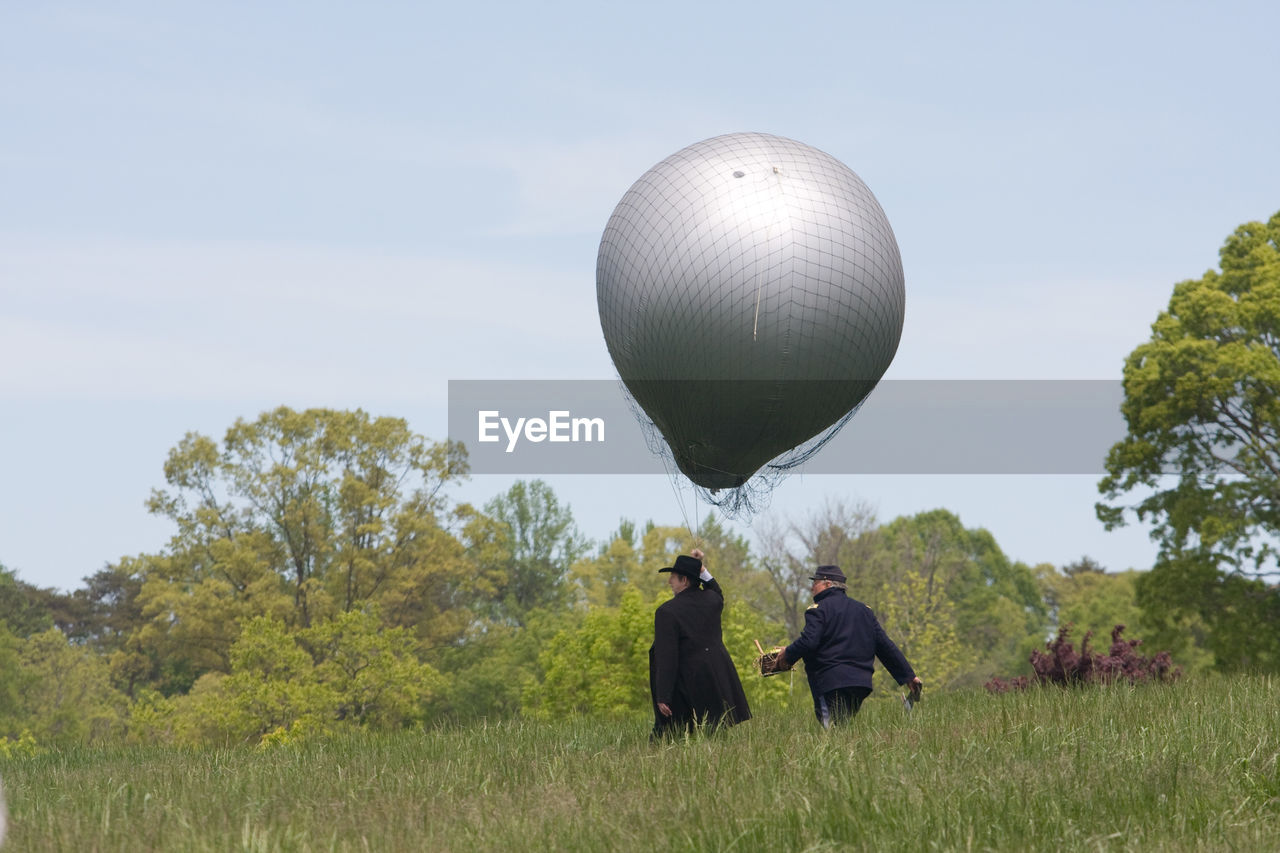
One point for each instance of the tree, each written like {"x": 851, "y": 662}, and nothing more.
{"x": 107, "y": 606}
{"x": 1086, "y": 565}
{"x": 920, "y": 618}
{"x": 66, "y": 694}
{"x": 434, "y": 587}
{"x": 195, "y": 605}
{"x": 604, "y": 576}
{"x": 620, "y": 564}
{"x": 528, "y": 582}
{"x": 538, "y": 543}
{"x": 659, "y": 547}
{"x": 1192, "y": 609}
{"x": 12, "y": 684}
{"x": 1089, "y": 599}
{"x": 273, "y": 683}
{"x": 489, "y": 675}
{"x": 957, "y": 605}
{"x": 1202, "y": 407}
{"x": 741, "y": 626}
{"x": 371, "y": 670}
{"x": 992, "y": 605}
{"x": 600, "y": 665}
{"x": 299, "y": 516}
{"x": 23, "y": 607}
{"x": 836, "y": 534}
{"x": 108, "y": 616}
{"x": 350, "y": 670}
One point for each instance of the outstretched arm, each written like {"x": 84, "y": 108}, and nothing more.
{"x": 807, "y": 641}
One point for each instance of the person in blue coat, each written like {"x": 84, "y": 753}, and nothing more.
{"x": 839, "y": 644}
{"x": 692, "y": 679}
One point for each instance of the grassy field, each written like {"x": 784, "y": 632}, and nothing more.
{"x": 1195, "y": 766}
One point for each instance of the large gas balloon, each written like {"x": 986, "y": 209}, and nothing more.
{"x": 751, "y": 295}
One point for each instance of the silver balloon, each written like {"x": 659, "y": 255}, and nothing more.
{"x": 751, "y": 295}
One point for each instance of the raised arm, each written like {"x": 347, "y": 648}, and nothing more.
{"x": 708, "y": 582}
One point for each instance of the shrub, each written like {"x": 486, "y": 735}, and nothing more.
{"x": 1061, "y": 664}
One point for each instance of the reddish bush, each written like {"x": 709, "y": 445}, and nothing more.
{"x": 999, "y": 685}
{"x": 1061, "y": 664}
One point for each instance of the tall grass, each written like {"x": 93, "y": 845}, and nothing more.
{"x": 1192, "y": 766}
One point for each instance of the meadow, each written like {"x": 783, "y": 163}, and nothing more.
{"x": 1190, "y": 766}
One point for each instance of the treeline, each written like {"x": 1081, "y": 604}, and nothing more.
{"x": 319, "y": 577}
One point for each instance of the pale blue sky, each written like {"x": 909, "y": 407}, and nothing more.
{"x": 207, "y": 210}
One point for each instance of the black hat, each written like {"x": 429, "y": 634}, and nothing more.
{"x": 690, "y": 567}
{"x": 828, "y": 573}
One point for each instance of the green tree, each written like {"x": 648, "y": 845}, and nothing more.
{"x": 537, "y": 543}
{"x": 195, "y": 606}
{"x": 488, "y": 675}
{"x": 729, "y": 558}
{"x": 920, "y": 619}
{"x": 107, "y": 607}
{"x": 435, "y": 588}
{"x": 371, "y": 671}
{"x": 272, "y": 686}
{"x": 12, "y": 685}
{"x": 604, "y": 576}
{"x": 659, "y": 547}
{"x": 67, "y": 697}
{"x": 1202, "y": 407}
{"x": 106, "y": 615}
{"x": 351, "y": 670}
{"x": 528, "y": 581}
{"x": 273, "y": 682}
{"x": 994, "y": 604}
{"x": 1089, "y": 598}
{"x": 24, "y": 608}
{"x": 631, "y": 559}
{"x": 501, "y": 667}
{"x": 601, "y": 665}
{"x": 948, "y": 595}
{"x": 296, "y": 517}
{"x": 1195, "y": 610}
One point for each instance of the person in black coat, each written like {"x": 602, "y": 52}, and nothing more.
{"x": 839, "y": 644}
{"x": 692, "y": 679}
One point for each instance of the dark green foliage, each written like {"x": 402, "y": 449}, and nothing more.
{"x": 1191, "y": 605}
{"x": 996, "y": 603}
{"x": 24, "y": 609}
{"x": 537, "y": 542}
{"x": 12, "y": 682}
{"x": 1202, "y": 406}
